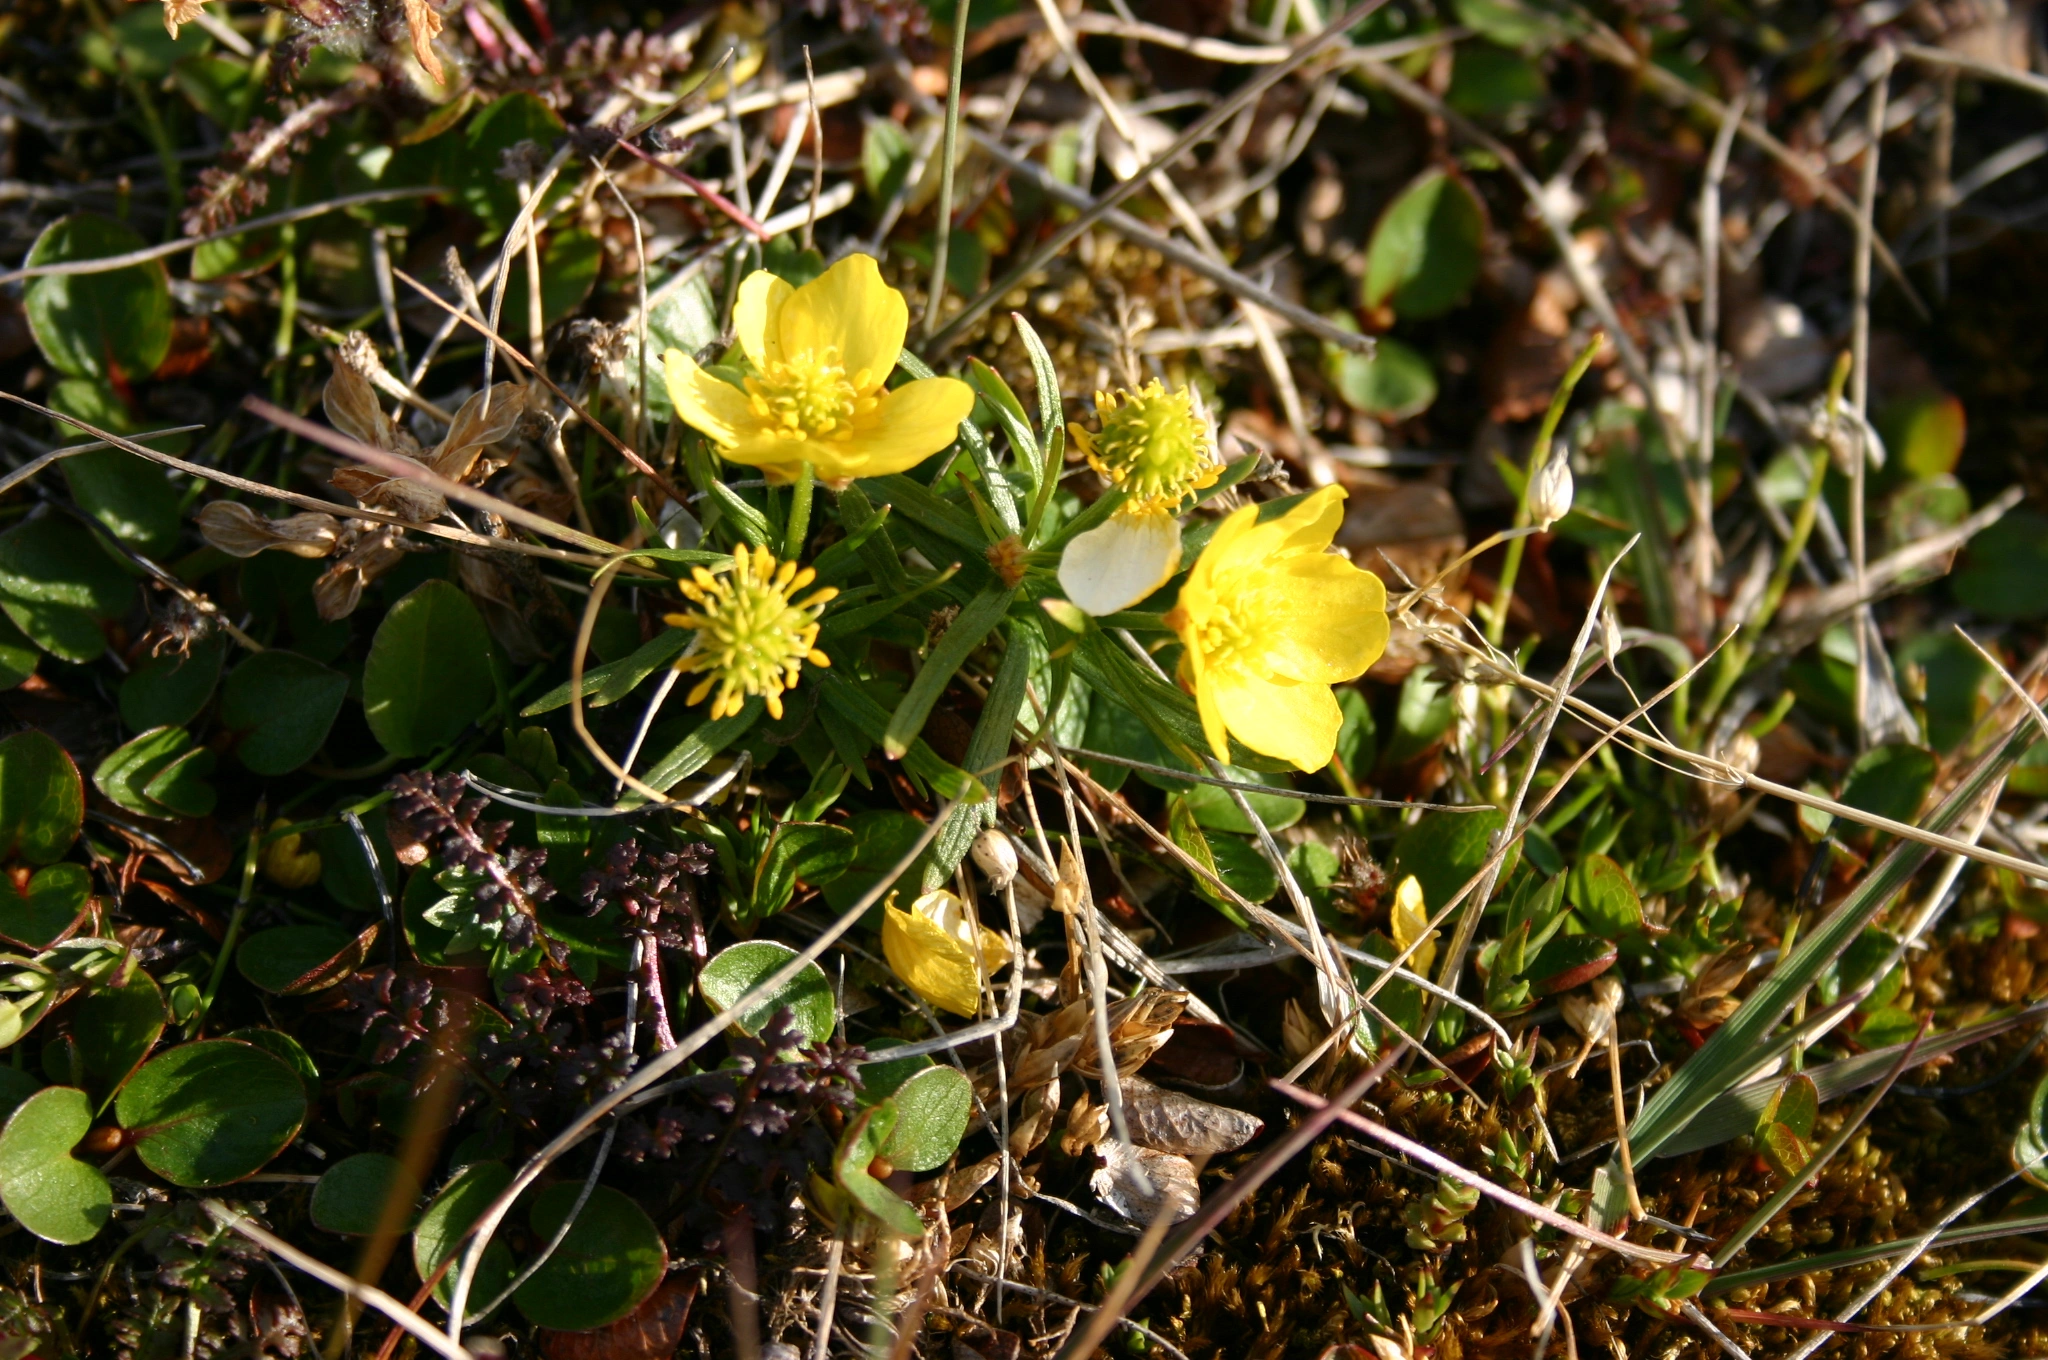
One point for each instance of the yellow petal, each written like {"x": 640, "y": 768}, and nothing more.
{"x": 1214, "y": 729}
{"x": 1312, "y": 525}
{"x": 717, "y": 408}
{"x": 1120, "y": 561}
{"x": 906, "y": 427}
{"x": 1410, "y": 920}
{"x": 1296, "y": 723}
{"x": 1326, "y": 621}
{"x": 850, "y": 309}
{"x": 754, "y": 315}
{"x": 931, "y": 962}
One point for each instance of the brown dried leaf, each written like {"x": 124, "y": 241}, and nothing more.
{"x": 425, "y": 23}
{"x": 1173, "y": 1190}
{"x": 479, "y": 423}
{"x": 1167, "y": 1121}
{"x": 239, "y": 531}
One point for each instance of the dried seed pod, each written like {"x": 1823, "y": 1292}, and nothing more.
{"x": 1172, "y": 1189}
{"x": 1034, "y": 1121}
{"x": 995, "y": 857}
{"x": 239, "y": 531}
{"x": 1550, "y": 490}
{"x": 1591, "y": 1014}
{"x": 1706, "y": 1002}
{"x": 1087, "y": 1125}
{"x": 1167, "y": 1121}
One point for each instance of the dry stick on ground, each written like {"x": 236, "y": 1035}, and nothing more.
{"x": 1187, "y": 257}
{"x": 1859, "y": 383}
{"x": 1608, "y": 45}
{"x": 1475, "y": 905}
{"x": 1303, "y": 52}
{"x": 313, "y": 502}
{"x": 491, "y": 335}
{"x": 105, "y": 263}
{"x": 1198, "y": 231}
{"x": 43, "y": 460}
{"x": 376, "y": 1298}
{"x": 398, "y": 465}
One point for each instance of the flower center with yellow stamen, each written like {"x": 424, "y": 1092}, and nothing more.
{"x": 1153, "y": 444}
{"x": 808, "y": 396}
{"x": 1224, "y": 640}
{"x": 752, "y": 636}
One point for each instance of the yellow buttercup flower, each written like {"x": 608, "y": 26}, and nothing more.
{"x": 752, "y": 636}
{"x": 1410, "y": 919}
{"x": 1155, "y": 446}
{"x": 1270, "y": 619}
{"x": 940, "y": 951}
{"x": 820, "y": 354}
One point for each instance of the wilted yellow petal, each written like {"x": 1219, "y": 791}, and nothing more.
{"x": 940, "y": 952}
{"x": 1410, "y": 920}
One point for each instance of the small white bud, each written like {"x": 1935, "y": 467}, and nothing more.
{"x": 995, "y": 857}
{"x": 1550, "y": 490}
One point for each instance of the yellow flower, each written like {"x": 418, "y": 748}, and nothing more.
{"x": 820, "y": 355}
{"x": 752, "y": 637}
{"x": 1270, "y": 619}
{"x": 1410, "y": 920}
{"x": 288, "y": 861}
{"x": 940, "y": 951}
{"x": 1155, "y": 446}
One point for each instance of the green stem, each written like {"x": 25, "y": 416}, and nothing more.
{"x": 233, "y": 935}
{"x": 799, "y": 513}
{"x": 1539, "y": 454}
{"x": 942, "y": 243}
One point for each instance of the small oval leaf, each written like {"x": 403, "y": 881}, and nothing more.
{"x": 932, "y": 1109}
{"x": 207, "y": 1113}
{"x": 50, "y": 1192}
{"x": 356, "y": 1192}
{"x": 296, "y": 960}
{"x": 429, "y": 671}
{"x": 730, "y": 975}
{"x": 608, "y": 1263}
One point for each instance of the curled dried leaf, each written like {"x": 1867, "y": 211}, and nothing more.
{"x": 1087, "y": 1125}
{"x": 239, "y": 531}
{"x": 1167, "y": 1121}
{"x": 424, "y": 23}
{"x": 1172, "y": 1189}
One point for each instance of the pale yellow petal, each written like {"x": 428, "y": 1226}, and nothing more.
{"x": 930, "y": 962}
{"x": 755, "y": 313}
{"x": 850, "y": 309}
{"x": 1410, "y": 921}
{"x": 717, "y": 408}
{"x": 1291, "y": 722}
{"x": 906, "y": 427}
{"x": 1120, "y": 561}
{"x": 1214, "y": 728}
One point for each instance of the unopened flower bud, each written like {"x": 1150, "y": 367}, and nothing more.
{"x": 995, "y": 857}
{"x": 288, "y": 861}
{"x": 1550, "y": 490}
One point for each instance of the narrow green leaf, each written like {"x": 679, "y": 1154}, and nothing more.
{"x": 967, "y": 631}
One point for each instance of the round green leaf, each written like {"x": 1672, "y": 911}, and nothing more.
{"x": 51, "y": 1193}
{"x": 1602, "y": 892}
{"x": 352, "y": 1195}
{"x": 429, "y": 672}
{"x": 1393, "y": 382}
{"x": 42, "y": 798}
{"x": 730, "y": 975}
{"x": 161, "y": 773}
{"x": 281, "y": 1045}
{"x": 18, "y": 655}
{"x": 1425, "y": 251}
{"x": 169, "y": 690}
{"x": 57, "y": 583}
{"x": 296, "y": 960}
{"x": 98, "y": 325}
{"x": 284, "y": 704}
{"x": 37, "y": 914}
{"x": 208, "y": 1113}
{"x": 130, "y": 496}
{"x": 607, "y": 1265}
{"x": 115, "y": 1028}
{"x": 439, "y": 1234}
{"x": 2004, "y": 572}
{"x": 931, "y": 1117}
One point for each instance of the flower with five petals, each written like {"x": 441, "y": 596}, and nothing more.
{"x": 819, "y": 355}
{"x": 1269, "y": 619}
